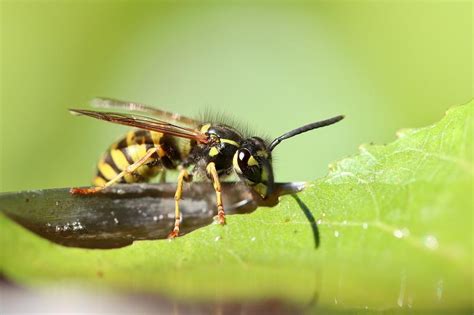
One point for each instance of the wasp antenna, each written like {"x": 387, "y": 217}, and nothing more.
{"x": 305, "y": 128}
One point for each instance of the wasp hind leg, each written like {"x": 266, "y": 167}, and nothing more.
{"x": 130, "y": 169}
{"x": 183, "y": 176}
{"x": 211, "y": 170}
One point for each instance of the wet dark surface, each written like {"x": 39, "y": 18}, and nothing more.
{"x": 124, "y": 213}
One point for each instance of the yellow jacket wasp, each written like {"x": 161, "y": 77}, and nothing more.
{"x": 210, "y": 150}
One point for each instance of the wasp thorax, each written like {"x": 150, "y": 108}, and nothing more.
{"x": 223, "y": 143}
{"x": 252, "y": 162}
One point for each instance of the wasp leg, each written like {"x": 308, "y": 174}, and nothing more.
{"x": 130, "y": 169}
{"x": 211, "y": 170}
{"x": 183, "y": 175}
{"x": 162, "y": 177}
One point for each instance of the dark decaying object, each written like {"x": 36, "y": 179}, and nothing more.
{"x": 122, "y": 214}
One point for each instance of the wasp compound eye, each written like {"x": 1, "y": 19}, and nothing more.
{"x": 243, "y": 157}
{"x": 248, "y": 165}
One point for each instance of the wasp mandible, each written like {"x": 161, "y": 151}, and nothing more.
{"x": 169, "y": 141}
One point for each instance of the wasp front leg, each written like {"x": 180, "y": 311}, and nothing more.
{"x": 211, "y": 170}
{"x": 130, "y": 169}
{"x": 182, "y": 177}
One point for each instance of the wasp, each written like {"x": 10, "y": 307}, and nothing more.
{"x": 208, "y": 150}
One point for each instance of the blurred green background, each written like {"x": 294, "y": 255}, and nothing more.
{"x": 274, "y": 65}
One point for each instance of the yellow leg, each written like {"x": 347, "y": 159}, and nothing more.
{"x": 130, "y": 169}
{"x": 183, "y": 175}
{"x": 211, "y": 170}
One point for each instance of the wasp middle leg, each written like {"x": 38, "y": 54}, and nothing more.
{"x": 182, "y": 177}
{"x": 211, "y": 170}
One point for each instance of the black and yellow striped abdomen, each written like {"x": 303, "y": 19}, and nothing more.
{"x": 131, "y": 149}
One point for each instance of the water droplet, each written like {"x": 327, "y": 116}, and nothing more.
{"x": 401, "y": 294}
{"x": 439, "y": 290}
{"x": 120, "y": 191}
{"x": 253, "y": 239}
{"x": 319, "y": 221}
{"x": 160, "y": 217}
{"x": 116, "y": 220}
{"x": 75, "y": 226}
{"x": 398, "y": 233}
{"x": 400, "y": 301}
{"x": 401, "y": 233}
{"x": 431, "y": 242}
{"x": 217, "y": 238}
{"x": 155, "y": 218}
{"x": 57, "y": 203}
{"x": 112, "y": 213}
{"x": 365, "y": 225}
{"x": 336, "y": 233}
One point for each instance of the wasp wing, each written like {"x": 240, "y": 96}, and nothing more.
{"x": 144, "y": 122}
{"x": 104, "y": 102}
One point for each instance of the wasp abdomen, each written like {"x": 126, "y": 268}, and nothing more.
{"x": 130, "y": 149}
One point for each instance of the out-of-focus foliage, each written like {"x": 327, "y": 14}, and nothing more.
{"x": 394, "y": 233}
{"x": 276, "y": 66}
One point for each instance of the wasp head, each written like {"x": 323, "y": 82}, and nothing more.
{"x": 253, "y": 163}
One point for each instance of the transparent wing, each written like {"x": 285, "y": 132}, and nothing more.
{"x": 144, "y": 122}
{"x": 104, "y": 102}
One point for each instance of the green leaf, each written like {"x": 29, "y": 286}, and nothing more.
{"x": 393, "y": 229}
